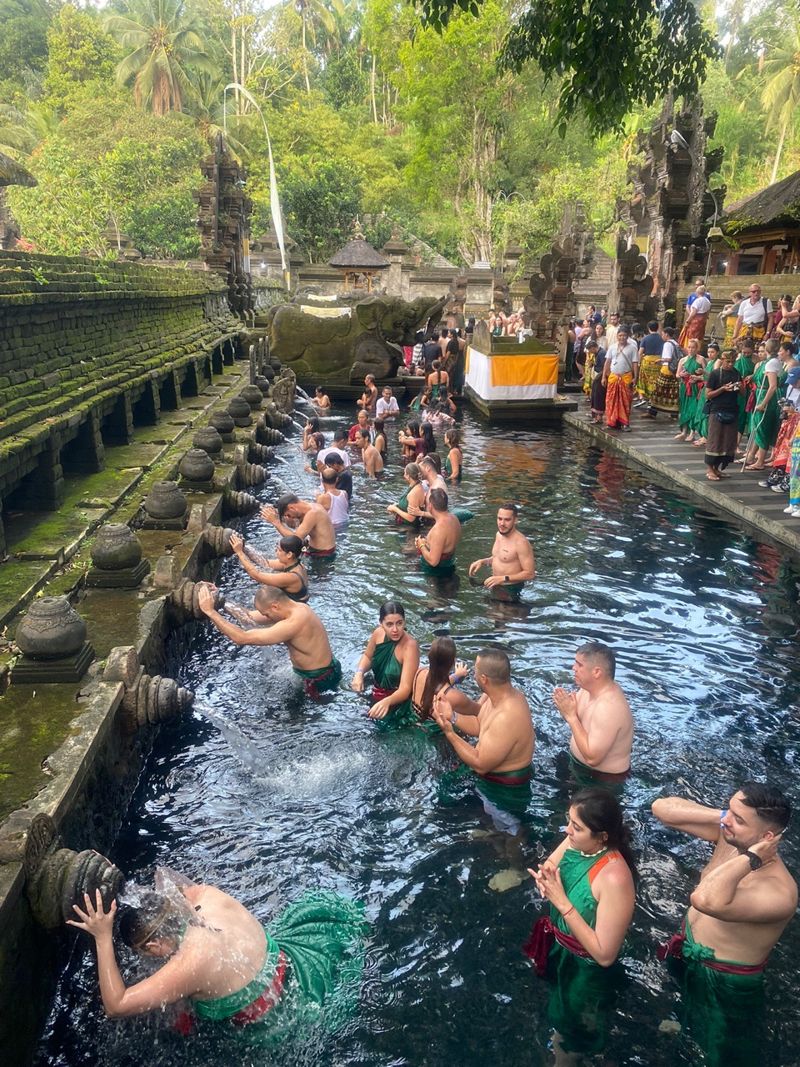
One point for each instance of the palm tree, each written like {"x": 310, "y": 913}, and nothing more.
{"x": 781, "y": 94}
{"x": 207, "y": 109}
{"x": 314, "y": 13}
{"x": 163, "y": 43}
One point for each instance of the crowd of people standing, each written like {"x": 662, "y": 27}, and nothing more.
{"x": 737, "y": 397}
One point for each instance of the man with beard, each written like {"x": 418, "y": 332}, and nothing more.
{"x": 512, "y": 559}
{"x": 737, "y": 913}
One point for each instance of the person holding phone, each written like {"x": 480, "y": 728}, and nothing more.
{"x": 722, "y": 407}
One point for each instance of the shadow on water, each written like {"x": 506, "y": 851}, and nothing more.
{"x": 266, "y": 795}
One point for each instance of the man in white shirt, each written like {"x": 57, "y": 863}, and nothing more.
{"x": 387, "y": 406}
{"x": 612, "y": 329}
{"x": 755, "y": 316}
{"x": 619, "y": 375}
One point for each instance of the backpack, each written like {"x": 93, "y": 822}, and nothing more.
{"x": 676, "y": 357}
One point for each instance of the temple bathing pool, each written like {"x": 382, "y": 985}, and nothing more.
{"x": 268, "y": 794}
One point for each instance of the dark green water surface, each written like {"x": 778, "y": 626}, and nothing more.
{"x": 291, "y": 795}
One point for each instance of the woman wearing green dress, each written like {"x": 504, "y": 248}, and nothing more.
{"x": 690, "y": 374}
{"x": 454, "y": 460}
{"x": 393, "y": 656}
{"x": 745, "y": 364}
{"x": 589, "y": 882}
{"x": 767, "y": 378}
{"x": 411, "y": 504}
{"x": 700, "y": 417}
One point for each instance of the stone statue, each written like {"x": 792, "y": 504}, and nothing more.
{"x": 348, "y": 338}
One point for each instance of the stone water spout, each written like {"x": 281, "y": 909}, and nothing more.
{"x": 259, "y": 453}
{"x": 57, "y": 878}
{"x": 237, "y": 503}
{"x": 268, "y": 435}
{"x": 218, "y": 540}
{"x": 184, "y": 603}
{"x": 252, "y": 473}
{"x": 278, "y": 420}
{"x": 149, "y": 699}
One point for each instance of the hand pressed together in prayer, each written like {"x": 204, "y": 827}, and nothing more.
{"x": 548, "y": 881}
{"x": 269, "y": 514}
{"x": 566, "y": 702}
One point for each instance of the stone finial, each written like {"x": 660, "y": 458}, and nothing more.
{"x": 52, "y": 638}
{"x": 196, "y": 468}
{"x": 251, "y": 474}
{"x": 259, "y": 453}
{"x": 117, "y": 559}
{"x": 218, "y": 540}
{"x": 165, "y": 507}
{"x": 224, "y": 425}
{"x": 253, "y": 395}
{"x": 209, "y": 439}
{"x": 239, "y": 411}
{"x": 185, "y": 604}
{"x": 154, "y": 699}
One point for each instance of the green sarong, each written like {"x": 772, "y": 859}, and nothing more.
{"x": 723, "y": 1012}
{"x": 687, "y": 401}
{"x": 765, "y": 424}
{"x": 583, "y": 992}
{"x": 443, "y": 569}
{"x": 320, "y": 680}
{"x": 321, "y": 935}
{"x": 387, "y": 670}
{"x": 462, "y": 514}
{"x": 745, "y": 368}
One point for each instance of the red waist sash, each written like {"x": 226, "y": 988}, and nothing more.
{"x": 674, "y": 949}
{"x": 541, "y": 939}
{"x": 320, "y": 553}
{"x": 506, "y": 778}
{"x": 379, "y": 693}
{"x": 268, "y": 999}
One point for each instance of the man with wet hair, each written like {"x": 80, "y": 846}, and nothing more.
{"x": 744, "y": 901}
{"x": 277, "y": 620}
{"x": 599, "y": 717}
{"x": 310, "y": 522}
{"x": 437, "y": 548}
{"x": 373, "y": 460}
{"x": 511, "y": 560}
{"x": 504, "y": 728}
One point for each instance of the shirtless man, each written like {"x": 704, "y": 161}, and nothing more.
{"x": 438, "y": 547}
{"x": 744, "y": 901}
{"x": 369, "y": 398}
{"x": 277, "y": 620}
{"x": 213, "y": 948}
{"x": 504, "y": 729}
{"x": 512, "y": 559}
{"x": 373, "y": 460}
{"x": 311, "y": 523}
{"x": 598, "y": 716}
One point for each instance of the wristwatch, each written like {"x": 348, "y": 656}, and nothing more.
{"x": 755, "y": 861}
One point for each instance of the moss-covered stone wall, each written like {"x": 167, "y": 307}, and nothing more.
{"x": 88, "y": 348}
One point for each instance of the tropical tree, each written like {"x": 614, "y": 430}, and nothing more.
{"x": 164, "y": 44}
{"x": 780, "y": 96}
{"x": 314, "y": 14}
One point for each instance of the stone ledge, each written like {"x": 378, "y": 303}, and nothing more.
{"x": 731, "y": 500}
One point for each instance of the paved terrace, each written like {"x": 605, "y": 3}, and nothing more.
{"x": 650, "y": 444}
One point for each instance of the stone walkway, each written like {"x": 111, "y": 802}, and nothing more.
{"x": 650, "y": 443}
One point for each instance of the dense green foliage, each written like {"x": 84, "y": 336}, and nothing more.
{"x": 447, "y": 132}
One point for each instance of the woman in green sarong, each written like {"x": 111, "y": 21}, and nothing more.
{"x": 589, "y": 881}
{"x": 439, "y": 679}
{"x": 412, "y": 503}
{"x": 745, "y": 364}
{"x": 690, "y": 374}
{"x": 767, "y": 378}
{"x": 393, "y": 656}
{"x": 305, "y": 965}
{"x": 700, "y": 416}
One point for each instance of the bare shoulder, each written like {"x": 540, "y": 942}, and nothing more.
{"x": 617, "y": 873}
{"x": 614, "y": 699}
